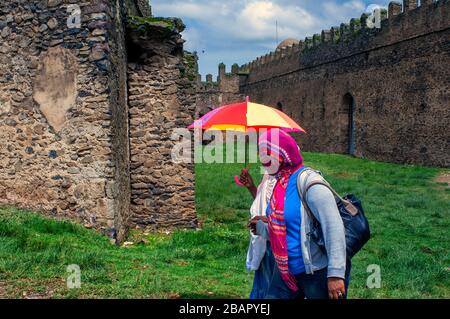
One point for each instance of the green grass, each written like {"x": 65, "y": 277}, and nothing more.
{"x": 408, "y": 213}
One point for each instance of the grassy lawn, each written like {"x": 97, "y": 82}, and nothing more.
{"x": 408, "y": 212}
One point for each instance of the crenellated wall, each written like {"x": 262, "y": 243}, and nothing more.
{"x": 224, "y": 91}
{"x": 376, "y": 93}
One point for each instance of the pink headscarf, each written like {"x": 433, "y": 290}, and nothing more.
{"x": 282, "y": 149}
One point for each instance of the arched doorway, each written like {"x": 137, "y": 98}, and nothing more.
{"x": 347, "y": 125}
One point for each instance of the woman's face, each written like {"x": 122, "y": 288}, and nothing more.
{"x": 271, "y": 164}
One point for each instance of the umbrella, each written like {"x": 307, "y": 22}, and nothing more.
{"x": 243, "y": 116}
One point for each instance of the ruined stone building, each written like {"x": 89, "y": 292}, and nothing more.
{"x": 89, "y": 93}
{"x": 377, "y": 93}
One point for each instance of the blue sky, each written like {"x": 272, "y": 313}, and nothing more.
{"x": 238, "y": 31}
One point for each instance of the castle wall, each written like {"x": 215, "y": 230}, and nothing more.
{"x": 213, "y": 94}
{"x": 59, "y": 120}
{"x": 161, "y": 98}
{"x": 398, "y": 77}
{"x": 208, "y": 97}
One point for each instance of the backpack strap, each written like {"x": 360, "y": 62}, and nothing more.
{"x": 308, "y": 178}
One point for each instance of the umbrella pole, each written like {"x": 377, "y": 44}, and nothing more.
{"x": 247, "y": 99}
{"x": 246, "y": 151}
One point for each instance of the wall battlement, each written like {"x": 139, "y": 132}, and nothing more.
{"x": 222, "y": 76}
{"x": 353, "y": 38}
{"x": 211, "y": 94}
{"x": 377, "y": 93}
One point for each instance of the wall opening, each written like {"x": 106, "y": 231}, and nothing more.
{"x": 135, "y": 53}
{"x": 347, "y": 125}
{"x": 280, "y": 106}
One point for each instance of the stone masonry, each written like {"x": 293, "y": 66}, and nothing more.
{"x": 160, "y": 100}
{"x": 86, "y": 109}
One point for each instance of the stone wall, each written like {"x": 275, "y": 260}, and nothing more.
{"x": 118, "y": 99}
{"x": 64, "y": 116}
{"x": 56, "y": 110}
{"x": 138, "y": 8}
{"x": 213, "y": 94}
{"x": 376, "y": 93}
{"x": 161, "y": 98}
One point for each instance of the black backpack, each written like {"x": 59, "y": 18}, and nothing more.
{"x": 357, "y": 231}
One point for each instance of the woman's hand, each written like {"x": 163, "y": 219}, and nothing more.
{"x": 246, "y": 179}
{"x": 336, "y": 288}
{"x": 252, "y": 222}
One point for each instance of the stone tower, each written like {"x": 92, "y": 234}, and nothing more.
{"x": 89, "y": 95}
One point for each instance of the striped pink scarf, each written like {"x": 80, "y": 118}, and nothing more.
{"x": 285, "y": 150}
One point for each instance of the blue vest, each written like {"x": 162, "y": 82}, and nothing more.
{"x": 292, "y": 205}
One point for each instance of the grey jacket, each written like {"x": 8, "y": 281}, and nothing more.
{"x": 322, "y": 203}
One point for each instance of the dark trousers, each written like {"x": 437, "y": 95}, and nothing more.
{"x": 315, "y": 286}
{"x": 268, "y": 283}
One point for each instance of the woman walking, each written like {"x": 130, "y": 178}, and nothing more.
{"x": 259, "y": 255}
{"x": 300, "y": 268}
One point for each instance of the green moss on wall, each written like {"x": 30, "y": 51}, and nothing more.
{"x": 190, "y": 67}
{"x": 148, "y": 24}
{"x": 316, "y": 38}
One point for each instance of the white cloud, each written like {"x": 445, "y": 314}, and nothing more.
{"x": 206, "y": 11}
{"x": 257, "y": 20}
{"x": 230, "y": 30}
{"x": 244, "y": 20}
{"x": 194, "y": 39}
{"x": 337, "y": 13}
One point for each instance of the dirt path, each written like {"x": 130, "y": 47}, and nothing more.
{"x": 443, "y": 178}
{"x": 25, "y": 289}
{"x": 2, "y": 290}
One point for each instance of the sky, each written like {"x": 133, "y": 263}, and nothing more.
{"x": 238, "y": 31}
